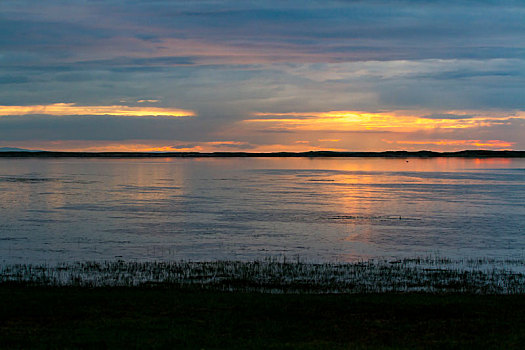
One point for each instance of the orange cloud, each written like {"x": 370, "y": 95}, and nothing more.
{"x": 148, "y": 101}
{"x": 400, "y": 121}
{"x": 477, "y": 143}
{"x": 137, "y": 148}
{"x": 62, "y": 109}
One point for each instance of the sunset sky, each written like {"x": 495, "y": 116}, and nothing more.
{"x": 251, "y": 76}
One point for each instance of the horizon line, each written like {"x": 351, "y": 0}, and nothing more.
{"x": 218, "y": 154}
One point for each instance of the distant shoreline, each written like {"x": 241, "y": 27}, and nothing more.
{"x": 310, "y": 154}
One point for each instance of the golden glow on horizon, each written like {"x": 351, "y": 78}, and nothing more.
{"x": 130, "y": 147}
{"x": 500, "y": 144}
{"x": 230, "y": 146}
{"x": 138, "y": 146}
{"x": 216, "y": 146}
{"x": 362, "y": 121}
{"x": 298, "y": 132}
{"x": 65, "y": 109}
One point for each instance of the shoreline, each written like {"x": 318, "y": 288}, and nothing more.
{"x": 310, "y": 154}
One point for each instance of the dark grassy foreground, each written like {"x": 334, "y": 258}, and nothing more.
{"x": 123, "y": 317}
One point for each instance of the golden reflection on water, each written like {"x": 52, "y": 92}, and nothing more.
{"x": 493, "y": 161}
{"x": 224, "y": 207}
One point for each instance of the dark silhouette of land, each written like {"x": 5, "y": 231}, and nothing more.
{"x": 311, "y": 154}
{"x": 67, "y": 317}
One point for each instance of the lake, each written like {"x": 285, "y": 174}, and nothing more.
{"x": 314, "y": 209}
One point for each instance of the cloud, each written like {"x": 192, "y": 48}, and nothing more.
{"x": 70, "y": 109}
{"x": 225, "y": 32}
{"x": 162, "y": 61}
{"x": 265, "y": 74}
{"x": 350, "y": 121}
{"x": 13, "y": 79}
{"x": 492, "y": 144}
{"x": 448, "y": 116}
{"x": 103, "y": 127}
{"x": 147, "y": 101}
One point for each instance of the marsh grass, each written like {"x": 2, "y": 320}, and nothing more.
{"x": 272, "y": 275}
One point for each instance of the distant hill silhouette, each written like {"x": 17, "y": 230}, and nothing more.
{"x": 14, "y": 152}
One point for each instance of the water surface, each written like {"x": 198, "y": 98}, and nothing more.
{"x": 320, "y": 209}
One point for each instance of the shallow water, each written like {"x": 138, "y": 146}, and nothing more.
{"x": 320, "y": 209}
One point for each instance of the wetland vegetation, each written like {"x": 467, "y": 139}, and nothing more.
{"x": 430, "y": 274}
{"x": 426, "y": 303}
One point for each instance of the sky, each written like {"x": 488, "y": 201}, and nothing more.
{"x": 262, "y": 76}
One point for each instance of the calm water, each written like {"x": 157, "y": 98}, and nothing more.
{"x": 204, "y": 209}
